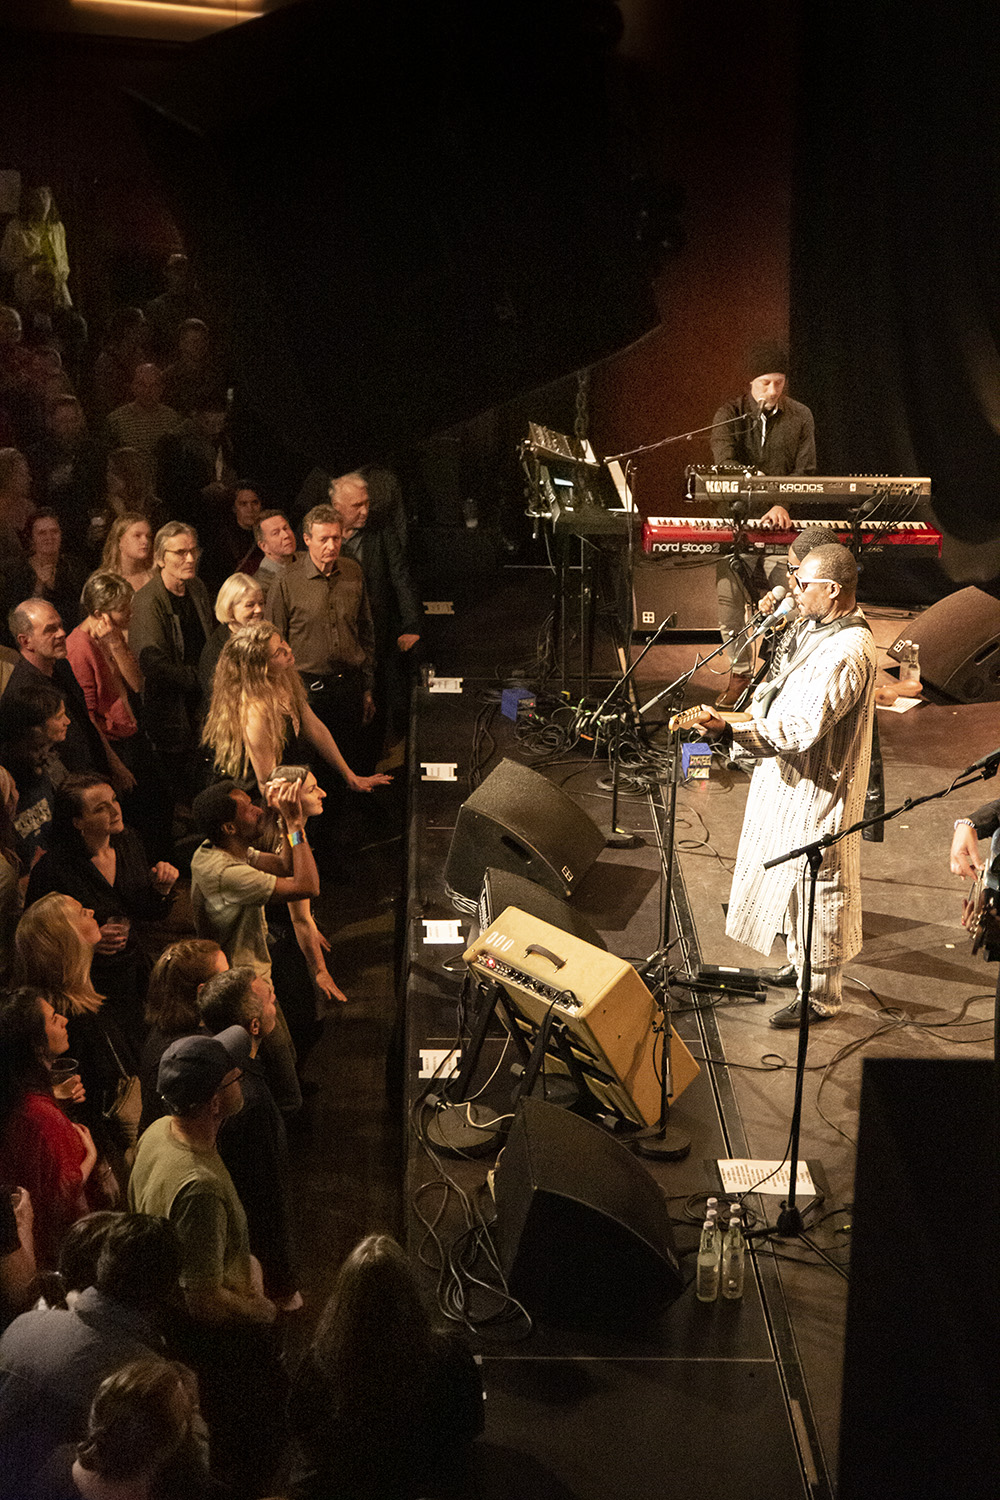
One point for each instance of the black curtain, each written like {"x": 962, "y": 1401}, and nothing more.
{"x": 414, "y": 209}
{"x": 895, "y": 309}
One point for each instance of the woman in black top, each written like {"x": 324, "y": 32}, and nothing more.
{"x": 94, "y": 858}
{"x": 47, "y": 571}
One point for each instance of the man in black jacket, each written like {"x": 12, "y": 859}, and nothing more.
{"x": 171, "y": 621}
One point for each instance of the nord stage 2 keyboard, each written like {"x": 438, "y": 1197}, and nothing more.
{"x": 707, "y": 536}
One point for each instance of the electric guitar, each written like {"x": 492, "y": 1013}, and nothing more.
{"x": 690, "y": 718}
{"x": 980, "y": 916}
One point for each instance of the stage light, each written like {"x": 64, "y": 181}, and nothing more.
{"x": 215, "y": 15}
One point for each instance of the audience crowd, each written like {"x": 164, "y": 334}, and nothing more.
{"x": 190, "y": 673}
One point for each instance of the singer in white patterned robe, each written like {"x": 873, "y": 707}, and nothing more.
{"x": 811, "y": 725}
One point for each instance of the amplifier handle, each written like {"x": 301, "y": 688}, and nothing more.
{"x": 559, "y": 963}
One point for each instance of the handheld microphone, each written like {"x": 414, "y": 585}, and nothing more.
{"x": 777, "y": 594}
{"x": 779, "y": 616}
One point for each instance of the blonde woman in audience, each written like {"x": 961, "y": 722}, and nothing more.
{"x": 259, "y": 714}
{"x": 128, "y": 550}
{"x": 239, "y": 602}
{"x": 54, "y": 949}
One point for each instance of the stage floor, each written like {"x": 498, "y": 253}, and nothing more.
{"x": 703, "y": 1388}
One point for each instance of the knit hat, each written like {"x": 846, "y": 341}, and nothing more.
{"x": 768, "y": 359}
{"x": 193, "y": 1067}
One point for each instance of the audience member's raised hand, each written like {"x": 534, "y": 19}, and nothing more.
{"x": 286, "y": 799}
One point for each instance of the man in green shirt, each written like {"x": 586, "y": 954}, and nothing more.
{"x": 179, "y": 1175}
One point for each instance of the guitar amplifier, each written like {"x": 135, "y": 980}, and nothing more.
{"x": 599, "y": 1000}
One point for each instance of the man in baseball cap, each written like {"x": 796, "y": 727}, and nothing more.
{"x": 193, "y": 1070}
{"x": 179, "y": 1175}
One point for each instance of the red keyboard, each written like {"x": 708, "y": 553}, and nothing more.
{"x": 706, "y": 536}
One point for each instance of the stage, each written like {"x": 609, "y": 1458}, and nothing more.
{"x": 749, "y": 1389}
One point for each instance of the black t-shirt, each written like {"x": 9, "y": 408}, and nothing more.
{"x": 191, "y": 632}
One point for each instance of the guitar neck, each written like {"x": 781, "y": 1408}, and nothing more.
{"x": 690, "y": 718}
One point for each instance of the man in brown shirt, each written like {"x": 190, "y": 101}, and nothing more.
{"x": 320, "y": 605}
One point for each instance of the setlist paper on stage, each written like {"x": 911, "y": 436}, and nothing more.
{"x": 744, "y": 1175}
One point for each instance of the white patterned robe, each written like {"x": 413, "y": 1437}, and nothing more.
{"x": 812, "y": 726}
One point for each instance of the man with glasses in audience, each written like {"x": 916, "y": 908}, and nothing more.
{"x": 171, "y": 621}
{"x": 810, "y": 725}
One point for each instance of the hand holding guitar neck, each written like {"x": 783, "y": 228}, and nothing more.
{"x": 712, "y": 720}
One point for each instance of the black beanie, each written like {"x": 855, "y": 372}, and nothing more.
{"x": 768, "y": 359}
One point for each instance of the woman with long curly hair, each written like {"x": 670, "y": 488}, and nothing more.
{"x": 383, "y": 1403}
{"x": 259, "y": 713}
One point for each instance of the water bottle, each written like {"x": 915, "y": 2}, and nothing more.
{"x": 707, "y": 1278}
{"x": 733, "y": 1251}
{"x": 909, "y": 670}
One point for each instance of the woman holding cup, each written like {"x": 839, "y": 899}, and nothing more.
{"x": 40, "y": 1149}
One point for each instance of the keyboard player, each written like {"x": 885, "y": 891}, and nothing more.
{"x": 766, "y": 430}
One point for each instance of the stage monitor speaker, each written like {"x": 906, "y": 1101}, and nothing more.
{"x": 687, "y": 590}
{"x": 921, "y": 1381}
{"x": 502, "y": 888}
{"x": 593, "y": 999}
{"x": 517, "y": 820}
{"x": 959, "y": 640}
{"x": 583, "y": 1231}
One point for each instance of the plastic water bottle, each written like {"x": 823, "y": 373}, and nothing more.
{"x": 733, "y": 1253}
{"x": 707, "y": 1278}
{"x": 909, "y": 670}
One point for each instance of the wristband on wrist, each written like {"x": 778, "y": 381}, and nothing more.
{"x": 964, "y": 823}
{"x": 296, "y": 838}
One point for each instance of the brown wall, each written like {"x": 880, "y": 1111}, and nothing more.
{"x": 714, "y": 82}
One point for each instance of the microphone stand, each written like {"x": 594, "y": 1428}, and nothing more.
{"x": 790, "y": 1223}
{"x": 622, "y": 838}
{"x": 669, "y": 1143}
